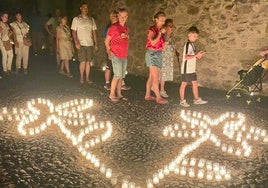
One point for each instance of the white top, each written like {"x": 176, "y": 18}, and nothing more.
{"x": 4, "y": 33}
{"x": 84, "y": 27}
{"x": 54, "y": 22}
{"x": 21, "y": 30}
{"x": 188, "y": 66}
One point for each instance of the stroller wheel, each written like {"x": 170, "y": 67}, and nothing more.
{"x": 238, "y": 95}
{"x": 228, "y": 96}
{"x": 248, "y": 102}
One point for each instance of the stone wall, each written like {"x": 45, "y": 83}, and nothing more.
{"x": 232, "y": 32}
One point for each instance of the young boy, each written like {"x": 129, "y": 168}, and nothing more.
{"x": 188, "y": 68}
{"x": 116, "y": 42}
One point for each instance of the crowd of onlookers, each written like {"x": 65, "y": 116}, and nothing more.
{"x": 82, "y": 37}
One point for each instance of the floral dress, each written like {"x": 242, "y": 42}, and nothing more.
{"x": 168, "y": 59}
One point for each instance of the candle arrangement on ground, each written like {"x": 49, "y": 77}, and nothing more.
{"x": 233, "y": 138}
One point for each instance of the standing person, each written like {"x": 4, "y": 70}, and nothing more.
{"x": 168, "y": 57}
{"x": 64, "y": 46}
{"x": 188, "y": 68}
{"x": 21, "y": 41}
{"x": 117, "y": 42}
{"x": 5, "y": 44}
{"x": 154, "y": 45}
{"x": 36, "y": 23}
{"x": 85, "y": 39}
{"x": 50, "y": 27}
{"x": 109, "y": 66}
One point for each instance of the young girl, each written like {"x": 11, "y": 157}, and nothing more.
{"x": 168, "y": 57}
{"x": 154, "y": 45}
{"x": 6, "y": 47}
{"x": 64, "y": 46}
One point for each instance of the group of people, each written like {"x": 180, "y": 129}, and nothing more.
{"x": 82, "y": 35}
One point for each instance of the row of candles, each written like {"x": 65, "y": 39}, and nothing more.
{"x": 60, "y": 115}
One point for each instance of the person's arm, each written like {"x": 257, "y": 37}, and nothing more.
{"x": 15, "y": 37}
{"x": 95, "y": 39}
{"x": 58, "y": 39}
{"x": 76, "y": 41}
{"x": 47, "y": 26}
{"x": 263, "y": 53}
{"x": 107, "y": 45}
{"x": 151, "y": 37}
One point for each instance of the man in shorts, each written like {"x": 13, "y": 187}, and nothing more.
{"x": 85, "y": 38}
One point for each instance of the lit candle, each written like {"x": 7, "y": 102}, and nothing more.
{"x": 179, "y": 134}
{"x": 177, "y": 170}
{"x": 230, "y": 149}
{"x": 216, "y": 167}
{"x": 149, "y": 183}
{"x": 201, "y": 163}
{"x": 166, "y": 170}
{"x": 191, "y": 173}
{"x": 108, "y": 173}
{"x": 228, "y": 175}
{"x": 193, "y": 135}
{"x": 224, "y": 147}
{"x": 185, "y": 162}
{"x": 125, "y": 183}
{"x": 183, "y": 171}
{"x": 192, "y": 161}
{"x": 209, "y": 165}
{"x": 209, "y": 175}
{"x": 218, "y": 177}
{"x": 200, "y": 174}
{"x": 161, "y": 174}
{"x": 155, "y": 179}
{"x": 131, "y": 185}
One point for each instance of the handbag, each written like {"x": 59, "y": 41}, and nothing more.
{"x": 7, "y": 45}
{"x": 26, "y": 39}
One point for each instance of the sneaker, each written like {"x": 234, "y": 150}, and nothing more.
{"x": 124, "y": 87}
{"x": 200, "y": 101}
{"x": 25, "y": 72}
{"x": 69, "y": 75}
{"x": 61, "y": 72}
{"x": 107, "y": 86}
{"x": 164, "y": 94}
{"x": 184, "y": 103}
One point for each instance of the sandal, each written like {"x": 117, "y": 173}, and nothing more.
{"x": 122, "y": 98}
{"x": 150, "y": 98}
{"x": 82, "y": 81}
{"x": 113, "y": 99}
{"x": 89, "y": 82}
{"x": 162, "y": 101}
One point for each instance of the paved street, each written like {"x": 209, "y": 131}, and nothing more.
{"x": 137, "y": 148}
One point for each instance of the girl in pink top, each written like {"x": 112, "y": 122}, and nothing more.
{"x": 155, "y": 44}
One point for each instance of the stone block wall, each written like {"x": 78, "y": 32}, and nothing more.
{"x": 231, "y": 31}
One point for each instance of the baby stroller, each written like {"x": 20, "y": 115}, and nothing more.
{"x": 250, "y": 82}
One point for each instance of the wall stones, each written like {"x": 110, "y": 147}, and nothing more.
{"x": 232, "y": 32}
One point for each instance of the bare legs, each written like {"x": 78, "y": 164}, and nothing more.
{"x": 107, "y": 75}
{"x": 153, "y": 82}
{"x": 116, "y": 87}
{"x": 162, "y": 85}
{"x": 84, "y": 67}
{"x": 194, "y": 89}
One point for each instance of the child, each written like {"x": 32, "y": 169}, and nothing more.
{"x": 64, "y": 46}
{"x": 154, "y": 45}
{"x": 116, "y": 42}
{"x": 168, "y": 57}
{"x": 109, "y": 66}
{"x": 188, "y": 68}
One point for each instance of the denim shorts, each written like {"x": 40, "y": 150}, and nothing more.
{"x": 119, "y": 66}
{"x": 153, "y": 58}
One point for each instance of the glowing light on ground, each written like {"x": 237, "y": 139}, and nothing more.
{"x": 196, "y": 126}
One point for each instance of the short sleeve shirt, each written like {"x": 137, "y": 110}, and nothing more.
{"x": 53, "y": 22}
{"x": 84, "y": 26}
{"x": 188, "y": 66}
{"x": 119, "y": 40}
{"x": 160, "y": 44}
{"x": 20, "y": 29}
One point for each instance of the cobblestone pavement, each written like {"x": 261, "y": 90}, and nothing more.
{"x": 136, "y": 148}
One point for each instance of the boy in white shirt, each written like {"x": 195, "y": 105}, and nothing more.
{"x": 188, "y": 68}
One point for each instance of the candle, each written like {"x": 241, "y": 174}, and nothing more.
{"x": 193, "y": 135}
{"x": 185, "y": 162}
{"x": 150, "y": 183}
{"x": 192, "y": 161}
{"x": 218, "y": 177}
{"x": 125, "y": 183}
{"x": 238, "y": 152}
{"x": 161, "y": 174}
{"x": 108, "y": 173}
{"x": 191, "y": 173}
{"x": 228, "y": 175}
{"x": 179, "y": 134}
{"x": 166, "y": 170}
{"x": 230, "y": 149}
{"x": 216, "y": 167}
{"x": 209, "y": 175}
{"x": 201, "y": 163}
{"x": 155, "y": 179}
{"x": 183, "y": 171}
{"x": 223, "y": 170}
{"x": 177, "y": 170}
{"x": 200, "y": 174}
{"x": 224, "y": 147}
{"x": 209, "y": 165}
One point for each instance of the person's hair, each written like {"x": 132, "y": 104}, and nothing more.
{"x": 114, "y": 12}
{"x": 159, "y": 14}
{"x": 193, "y": 29}
{"x": 2, "y": 14}
{"x": 121, "y": 10}
{"x": 63, "y": 16}
{"x": 167, "y": 22}
{"x": 82, "y": 3}
{"x": 18, "y": 12}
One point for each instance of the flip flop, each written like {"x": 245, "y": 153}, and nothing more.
{"x": 113, "y": 99}
{"x": 123, "y": 99}
{"x": 151, "y": 98}
{"x": 89, "y": 82}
